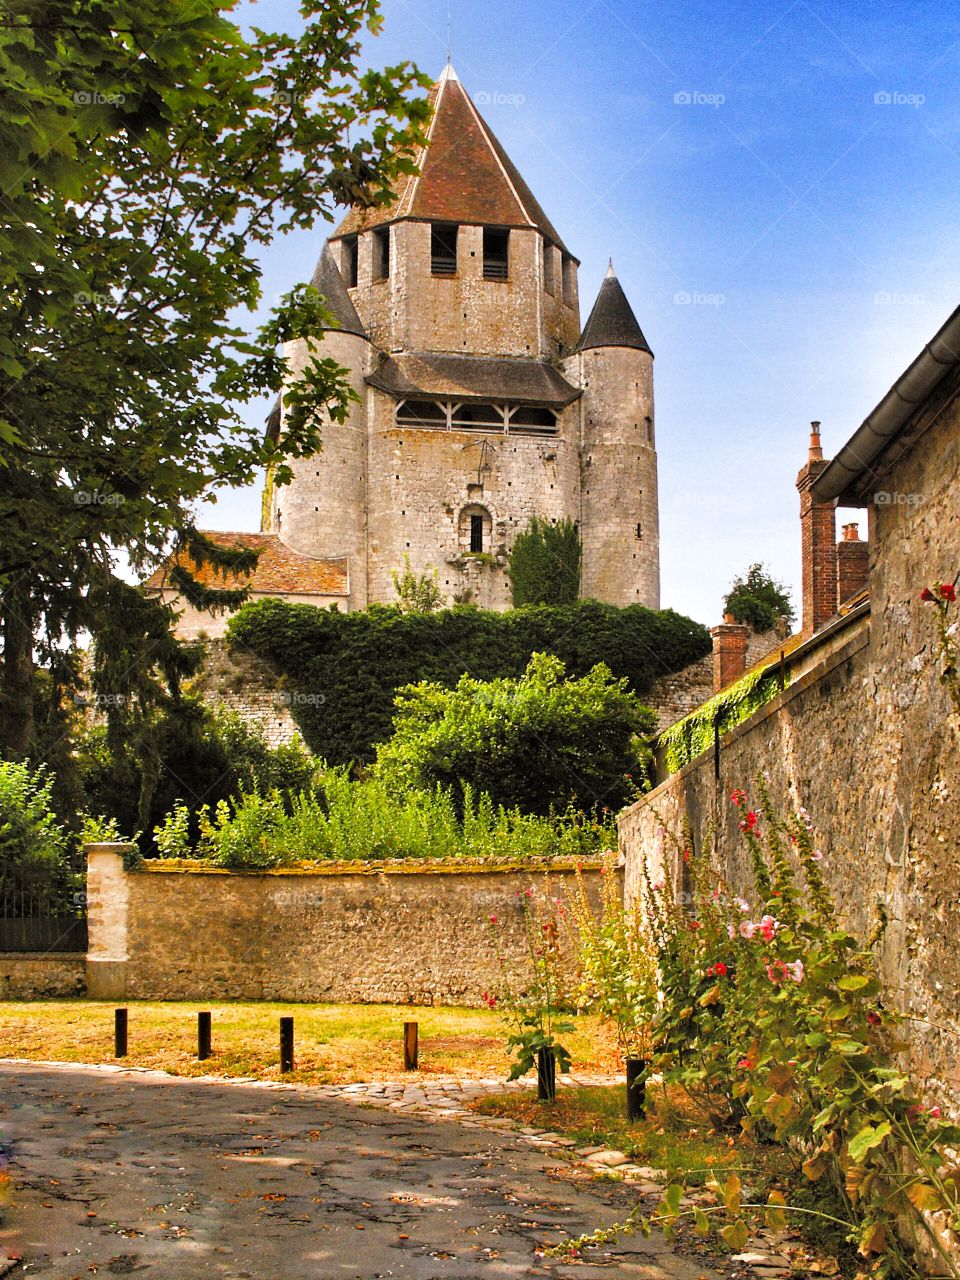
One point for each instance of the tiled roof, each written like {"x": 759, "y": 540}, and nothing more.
{"x": 612, "y": 322}
{"x": 279, "y": 570}
{"x": 328, "y": 281}
{"x": 473, "y": 378}
{"x": 465, "y": 175}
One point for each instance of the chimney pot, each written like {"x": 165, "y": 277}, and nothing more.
{"x": 851, "y": 533}
{"x": 816, "y": 452}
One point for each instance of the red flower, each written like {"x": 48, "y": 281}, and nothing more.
{"x": 948, "y": 591}
{"x": 720, "y": 969}
{"x": 777, "y": 972}
{"x": 738, "y": 797}
{"x": 694, "y": 925}
{"x": 926, "y": 595}
{"x": 746, "y": 1064}
{"x": 489, "y": 1000}
{"x": 686, "y": 855}
{"x": 873, "y": 1019}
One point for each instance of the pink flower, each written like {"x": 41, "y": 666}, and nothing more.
{"x": 747, "y": 929}
{"x": 795, "y": 970}
{"x": 493, "y": 919}
{"x": 528, "y": 892}
{"x": 934, "y": 1113}
{"x": 742, "y": 903}
{"x": 731, "y": 932}
{"x": 817, "y": 855}
{"x": 777, "y": 972}
{"x": 768, "y": 927}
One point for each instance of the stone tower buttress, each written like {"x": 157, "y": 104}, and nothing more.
{"x": 620, "y": 525}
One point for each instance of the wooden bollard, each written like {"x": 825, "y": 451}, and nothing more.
{"x": 203, "y": 1035}
{"x": 286, "y": 1045}
{"x": 119, "y": 1033}
{"x": 411, "y": 1049}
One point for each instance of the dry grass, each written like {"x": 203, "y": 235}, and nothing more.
{"x": 334, "y": 1043}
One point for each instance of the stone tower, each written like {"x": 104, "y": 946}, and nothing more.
{"x": 481, "y": 403}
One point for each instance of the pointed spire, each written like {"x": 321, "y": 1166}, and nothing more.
{"x": 612, "y": 322}
{"x": 464, "y": 175}
{"x": 328, "y": 281}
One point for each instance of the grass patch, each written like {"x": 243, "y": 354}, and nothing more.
{"x": 334, "y": 1043}
{"x": 672, "y": 1137}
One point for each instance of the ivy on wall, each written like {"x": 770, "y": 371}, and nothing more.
{"x": 341, "y": 670}
{"x": 694, "y": 734}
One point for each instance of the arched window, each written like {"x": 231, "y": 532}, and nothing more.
{"x": 475, "y": 529}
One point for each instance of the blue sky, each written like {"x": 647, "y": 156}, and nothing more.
{"x": 789, "y": 168}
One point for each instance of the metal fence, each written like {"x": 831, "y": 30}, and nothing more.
{"x": 43, "y": 907}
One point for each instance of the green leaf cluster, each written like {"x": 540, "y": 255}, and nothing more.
{"x": 758, "y": 600}
{"x": 544, "y": 564}
{"x": 694, "y": 734}
{"x": 343, "y": 670}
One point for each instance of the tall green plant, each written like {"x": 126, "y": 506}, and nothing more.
{"x": 34, "y": 847}
{"x": 544, "y": 564}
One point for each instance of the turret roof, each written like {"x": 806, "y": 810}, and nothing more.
{"x": 612, "y": 322}
{"x": 464, "y": 175}
{"x": 328, "y": 281}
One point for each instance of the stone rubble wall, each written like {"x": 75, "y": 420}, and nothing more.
{"x": 41, "y": 975}
{"x": 674, "y": 696}
{"x": 404, "y": 935}
{"x": 240, "y": 681}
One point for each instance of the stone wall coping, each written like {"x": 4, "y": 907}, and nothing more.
{"x": 7, "y": 956}
{"x": 771, "y": 708}
{"x": 387, "y": 866}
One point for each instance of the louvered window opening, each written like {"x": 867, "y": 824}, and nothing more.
{"x": 451, "y": 415}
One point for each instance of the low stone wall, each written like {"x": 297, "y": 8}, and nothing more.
{"x": 41, "y": 975}
{"x": 407, "y": 934}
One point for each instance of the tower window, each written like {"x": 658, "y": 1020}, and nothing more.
{"x": 443, "y": 248}
{"x": 640, "y": 531}
{"x": 496, "y": 253}
{"x": 649, "y": 424}
{"x": 351, "y": 261}
{"x": 474, "y": 529}
{"x": 476, "y": 533}
{"x": 381, "y": 253}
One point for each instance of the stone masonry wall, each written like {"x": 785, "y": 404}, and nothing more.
{"x": 239, "y": 680}
{"x": 869, "y": 743}
{"x": 41, "y": 975}
{"x": 401, "y": 935}
{"x": 674, "y": 696}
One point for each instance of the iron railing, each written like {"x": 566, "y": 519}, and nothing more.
{"x": 43, "y": 907}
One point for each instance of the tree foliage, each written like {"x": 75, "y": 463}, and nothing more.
{"x": 541, "y": 743}
{"x": 758, "y": 600}
{"x": 417, "y": 592}
{"x": 544, "y": 564}
{"x": 343, "y": 669}
{"x": 148, "y": 150}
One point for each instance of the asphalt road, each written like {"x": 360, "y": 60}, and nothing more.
{"x": 140, "y": 1174}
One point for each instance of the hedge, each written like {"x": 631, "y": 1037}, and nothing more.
{"x": 342, "y": 670}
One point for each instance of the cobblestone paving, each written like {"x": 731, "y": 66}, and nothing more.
{"x": 119, "y": 1171}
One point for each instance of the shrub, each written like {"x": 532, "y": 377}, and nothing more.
{"x": 34, "y": 847}
{"x": 358, "y": 821}
{"x": 758, "y": 600}
{"x": 544, "y": 564}
{"x": 538, "y": 743}
{"x": 344, "y": 669}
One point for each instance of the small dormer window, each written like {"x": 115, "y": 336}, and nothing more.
{"x": 496, "y": 253}
{"x": 381, "y": 253}
{"x": 351, "y": 261}
{"x": 443, "y": 248}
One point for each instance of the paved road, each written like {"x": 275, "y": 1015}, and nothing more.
{"x": 140, "y": 1174}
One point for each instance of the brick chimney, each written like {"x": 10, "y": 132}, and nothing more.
{"x": 818, "y": 536}
{"x": 729, "y": 652}
{"x": 853, "y": 564}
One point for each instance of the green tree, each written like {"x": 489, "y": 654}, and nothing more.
{"x": 544, "y": 564}
{"x": 417, "y": 592}
{"x": 148, "y": 150}
{"x": 541, "y": 742}
{"x": 758, "y": 600}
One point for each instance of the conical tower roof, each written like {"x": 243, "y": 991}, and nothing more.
{"x": 464, "y": 175}
{"x": 612, "y": 322}
{"x": 328, "y": 281}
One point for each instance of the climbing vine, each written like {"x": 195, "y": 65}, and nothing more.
{"x": 694, "y": 734}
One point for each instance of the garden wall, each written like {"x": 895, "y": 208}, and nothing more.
{"x": 41, "y": 975}
{"x": 407, "y": 933}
